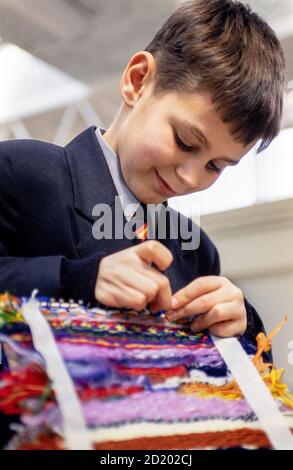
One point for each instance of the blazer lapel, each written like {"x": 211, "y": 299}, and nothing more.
{"x": 92, "y": 184}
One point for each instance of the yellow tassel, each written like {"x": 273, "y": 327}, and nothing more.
{"x": 270, "y": 375}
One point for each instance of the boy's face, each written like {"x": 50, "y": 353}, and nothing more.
{"x": 151, "y": 138}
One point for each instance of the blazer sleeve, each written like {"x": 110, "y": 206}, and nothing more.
{"x": 254, "y": 322}
{"x": 53, "y": 276}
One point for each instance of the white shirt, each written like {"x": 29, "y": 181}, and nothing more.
{"x": 129, "y": 202}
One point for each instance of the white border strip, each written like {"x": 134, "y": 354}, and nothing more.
{"x": 165, "y": 429}
{"x": 256, "y": 392}
{"x": 76, "y": 435}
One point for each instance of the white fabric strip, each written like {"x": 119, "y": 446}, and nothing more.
{"x": 76, "y": 435}
{"x": 255, "y": 392}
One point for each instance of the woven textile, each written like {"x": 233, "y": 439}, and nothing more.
{"x": 143, "y": 383}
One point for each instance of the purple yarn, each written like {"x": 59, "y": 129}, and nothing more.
{"x": 167, "y": 406}
{"x": 162, "y": 406}
{"x": 87, "y": 352}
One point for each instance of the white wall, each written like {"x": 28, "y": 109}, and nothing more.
{"x": 256, "y": 249}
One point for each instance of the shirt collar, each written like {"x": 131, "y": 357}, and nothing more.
{"x": 129, "y": 202}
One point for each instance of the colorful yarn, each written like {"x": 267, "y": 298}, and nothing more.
{"x": 143, "y": 382}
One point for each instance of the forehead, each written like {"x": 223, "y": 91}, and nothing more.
{"x": 191, "y": 106}
{"x": 197, "y": 110}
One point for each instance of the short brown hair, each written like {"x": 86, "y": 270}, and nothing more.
{"x": 224, "y": 47}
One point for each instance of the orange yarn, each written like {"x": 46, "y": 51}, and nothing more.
{"x": 270, "y": 375}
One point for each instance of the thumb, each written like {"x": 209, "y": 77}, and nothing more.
{"x": 155, "y": 252}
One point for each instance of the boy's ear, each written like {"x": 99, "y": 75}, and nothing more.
{"x": 137, "y": 76}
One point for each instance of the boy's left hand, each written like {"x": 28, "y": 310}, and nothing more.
{"x": 219, "y": 304}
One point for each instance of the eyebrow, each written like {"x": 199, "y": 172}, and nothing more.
{"x": 200, "y": 135}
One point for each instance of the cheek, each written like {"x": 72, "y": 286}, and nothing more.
{"x": 163, "y": 152}
{"x": 205, "y": 181}
{"x": 209, "y": 180}
{"x": 151, "y": 154}
{"x": 147, "y": 153}
{"x": 137, "y": 160}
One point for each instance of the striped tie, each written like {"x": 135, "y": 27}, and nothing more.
{"x": 142, "y": 231}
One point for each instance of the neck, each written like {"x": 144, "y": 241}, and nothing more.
{"x": 112, "y": 133}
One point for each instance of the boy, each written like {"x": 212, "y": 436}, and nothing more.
{"x": 207, "y": 88}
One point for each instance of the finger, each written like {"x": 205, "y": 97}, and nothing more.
{"x": 199, "y": 286}
{"x": 220, "y": 313}
{"x": 227, "y": 329}
{"x": 202, "y": 304}
{"x": 108, "y": 294}
{"x": 122, "y": 297}
{"x": 162, "y": 299}
{"x": 155, "y": 252}
{"x": 150, "y": 282}
{"x": 114, "y": 296}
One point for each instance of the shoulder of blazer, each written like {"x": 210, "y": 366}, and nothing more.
{"x": 31, "y": 152}
{"x": 35, "y": 162}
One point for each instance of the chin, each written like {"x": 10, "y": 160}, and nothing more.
{"x": 152, "y": 197}
{"x": 155, "y": 199}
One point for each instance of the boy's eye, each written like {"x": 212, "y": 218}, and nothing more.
{"x": 182, "y": 145}
{"x": 212, "y": 167}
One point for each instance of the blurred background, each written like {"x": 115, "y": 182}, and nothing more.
{"x": 61, "y": 62}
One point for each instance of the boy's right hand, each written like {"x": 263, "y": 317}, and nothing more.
{"x": 127, "y": 279}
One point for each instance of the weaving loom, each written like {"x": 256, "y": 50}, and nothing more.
{"x": 141, "y": 382}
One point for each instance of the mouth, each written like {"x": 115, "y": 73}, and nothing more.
{"x": 164, "y": 188}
